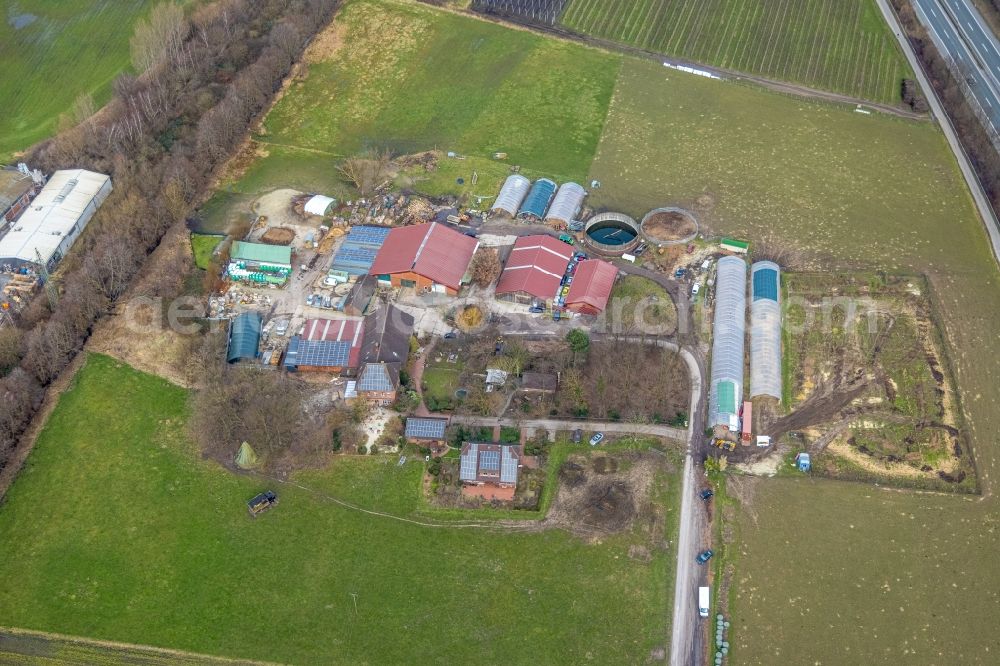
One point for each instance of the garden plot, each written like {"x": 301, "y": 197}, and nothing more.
{"x": 867, "y": 381}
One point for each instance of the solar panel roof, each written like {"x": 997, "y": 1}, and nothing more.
{"x": 470, "y": 459}
{"x": 508, "y": 469}
{"x": 323, "y": 353}
{"x": 359, "y": 249}
{"x": 375, "y": 377}
{"x": 489, "y": 461}
{"x": 422, "y": 428}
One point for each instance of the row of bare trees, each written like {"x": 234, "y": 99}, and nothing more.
{"x": 203, "y": 80}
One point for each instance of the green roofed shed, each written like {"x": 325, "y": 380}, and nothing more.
{"x": 733, "y": 245}
{"x": 279, "y": 256}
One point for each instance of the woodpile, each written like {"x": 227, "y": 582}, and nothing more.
{"x": 417, "y": 211}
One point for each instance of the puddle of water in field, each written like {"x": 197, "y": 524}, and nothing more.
{"x": 18, "y": 21}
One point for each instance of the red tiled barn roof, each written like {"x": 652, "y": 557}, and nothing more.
{"x": 591, "y": 286}
{"x": 432, "y": 250}
{"x": 535, "y": 266}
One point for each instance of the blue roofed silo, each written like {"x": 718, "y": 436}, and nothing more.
{"x": 537, "y": 201}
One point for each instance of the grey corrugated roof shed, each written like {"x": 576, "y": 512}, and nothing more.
{"x": 244, "y": 337}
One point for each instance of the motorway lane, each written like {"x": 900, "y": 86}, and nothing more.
{"x": 943, "y": 26}
{"x": 978, "y": 35}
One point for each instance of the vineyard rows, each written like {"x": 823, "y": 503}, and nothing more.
{"x": 841, "y": 45}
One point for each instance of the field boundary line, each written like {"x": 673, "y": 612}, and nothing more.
{"x": 117, "y": 645}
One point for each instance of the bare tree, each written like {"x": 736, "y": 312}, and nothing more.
{"x": 485, "y": 267}
{"x": 159, "y": 38}
{"x": 83, "y": 108}
{"x": 264, "y": 408}
{"x": 367, "y": 171}
{"x": 11, "y": 348}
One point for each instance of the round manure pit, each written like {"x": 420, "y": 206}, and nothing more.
{"x": 669, "y": 226}
{"x": 612, "y": 233}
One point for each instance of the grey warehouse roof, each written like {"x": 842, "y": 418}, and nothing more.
{"x": 728, "y": 332}
{"x": 514, "y": 189}
{"x": 56, "y": 216}
{"x": 765, "y": 330}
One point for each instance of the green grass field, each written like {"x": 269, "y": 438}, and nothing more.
{"x": 116, "y": 529}
{"x": 443, "y": 81}
{"x": 441, "y": 384}
{"x": 60, "y": 50}
{"x": 842, "y": 46}
{"x": 639, "y": 303}
{"x": 843, "y": 573}
{"x": 203, "y": 246}
{"x": 840, "y": 190}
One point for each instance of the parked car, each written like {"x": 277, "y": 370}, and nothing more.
{"x": 309, "y": 299}
{"x": 579, "y": 255}
{"x": 327, "y": 302}
{"x": 706, "y": 494}
{"x": 596, "y": 439}
{"x": 566, "y": 238}
{"x": 695, "y": 288}
{"x": 450, "y": 335}
{"x": 536, "y": 309}
{"x": 639, "y": 250}
{"x": 577, "y": 436}
{"x": 704, "y": 556}
{"x": 680, "y": 272}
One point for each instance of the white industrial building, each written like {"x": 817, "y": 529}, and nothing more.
{"x": 48, "y": 228}
{"x": 728, "y": 332}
